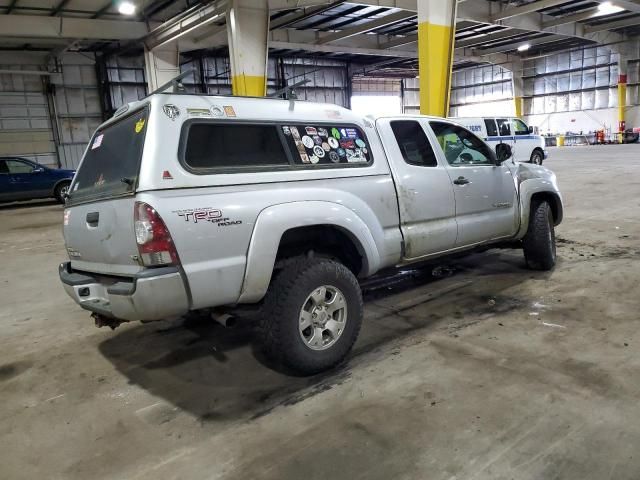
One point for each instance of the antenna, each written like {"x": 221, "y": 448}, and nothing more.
{"x": 174, "y": 82}
{"x": 288, "y": 91}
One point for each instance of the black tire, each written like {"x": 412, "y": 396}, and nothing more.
{"x": 539, "y": 243}
{"x": 288, "y": 293}
{"x": 536, "y": 157}
{"x": 60, "y": 190}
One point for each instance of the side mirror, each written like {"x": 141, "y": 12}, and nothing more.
{"x": 530, "y": 129}
{"x": 503, "y": 152}
{"x": 37, "y": 170}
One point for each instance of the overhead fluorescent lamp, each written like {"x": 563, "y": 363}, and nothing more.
{"x": 607, "y": 8}
{"x": 524, "y": 47}
{"x": 126, "y": 8}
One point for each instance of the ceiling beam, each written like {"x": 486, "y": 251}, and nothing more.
{"x": 400, "y": 41}
{"x": 11, "y": 6}
{"x": 366, "y": 27}
{"x": 102, "y": 10}
{"x": 36, "y": 26}
{"x": 287, "y": 20}
{"x": 628, "y": 22}
{"x": 524, "y": 9}
{"x": 577, "y": 17}
{"x": 513, "y": 46}
{"x": 307, "y": 47}
{"x": 56, "y": 10}
{"x": 490, "y": 37}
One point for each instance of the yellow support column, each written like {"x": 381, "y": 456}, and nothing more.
{"x": 247, "y": 33}
{"x": 436, "y": 32}
{"x": 622, "y": 97}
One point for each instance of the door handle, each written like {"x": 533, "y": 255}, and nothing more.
{"x": 93, "y": 218}
{"x": 461, "y": 181}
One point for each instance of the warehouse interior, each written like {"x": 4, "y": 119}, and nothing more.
{"x": 468, "y": 368}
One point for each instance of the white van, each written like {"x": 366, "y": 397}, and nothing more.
{"x": 526, "y": 146}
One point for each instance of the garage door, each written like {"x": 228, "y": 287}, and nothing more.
{"x": 25, "y": 127}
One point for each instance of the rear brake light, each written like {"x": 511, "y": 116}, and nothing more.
{"x": 155, "y": 244}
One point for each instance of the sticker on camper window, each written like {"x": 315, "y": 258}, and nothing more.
{"x": 308, "y": 141}
{"x": 228, "y": 109}
{"x": 139, "y": 125}
{"x": 355, "y": 155}
{"x": 97, "y": 141}
{"x": 300, "y": 147}
{"x": 328, "y": 145}
{"x": 347, "y": 143}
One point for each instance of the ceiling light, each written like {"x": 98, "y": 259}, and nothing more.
{"x": 524, "y": 47}
{"x": 607, "y": 8}
{"x": 126, "y": 8}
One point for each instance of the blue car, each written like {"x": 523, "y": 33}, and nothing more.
{"x": 22, "y": 179}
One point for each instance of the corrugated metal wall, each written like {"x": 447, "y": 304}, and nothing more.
{"x": 77, "y": 106}
{"x": 580, "y": 80}
{"x": 328, "y": 81}
{"x": 25, "y": 123}
{"x": 485, "y": 84}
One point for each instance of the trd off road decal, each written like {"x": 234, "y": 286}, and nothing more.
{"x": 206, "y": 214}
{"x": 196, "y": 215}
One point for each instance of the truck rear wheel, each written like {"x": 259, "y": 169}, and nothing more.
{"x": 312, "y": 315}
{"x": 539, "y": 243}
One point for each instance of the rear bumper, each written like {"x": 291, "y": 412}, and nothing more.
{"x": 545, "y": 154}
{"x": 153, "y": 294}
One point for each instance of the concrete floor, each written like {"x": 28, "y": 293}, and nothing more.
{"x": 488, "y": 371}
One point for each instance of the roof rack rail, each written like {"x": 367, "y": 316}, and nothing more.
{"x": 174, "y": 82}
{"x": 289, "y": 91}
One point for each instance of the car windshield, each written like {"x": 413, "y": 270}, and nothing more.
{"x": 112, "y": 160}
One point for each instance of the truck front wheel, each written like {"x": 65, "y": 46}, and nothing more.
{"x": 539, "y": 243}
{"x": 312, "y": 315}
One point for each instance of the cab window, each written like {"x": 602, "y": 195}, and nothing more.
{"x": 18, "y": 166}
{"x": 460, "y": 146}
{"x": 519, "y": 127}
{"x": 413, "y": 143}
{"x": 503, "y": 127}
{"x": 492, "y": 130}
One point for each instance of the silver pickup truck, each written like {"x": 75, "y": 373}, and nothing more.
{"x": 194, "y": 202}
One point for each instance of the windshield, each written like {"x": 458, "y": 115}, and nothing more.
{"x": 111, "y": 163}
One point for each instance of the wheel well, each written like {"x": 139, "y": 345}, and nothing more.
{"x": 322, "y": 240}
{"x": 553, "y": 202}
{"x": 538, "y": 150}
{"x": 60, "y": 182}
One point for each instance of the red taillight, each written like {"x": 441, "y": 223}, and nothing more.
{"x": 154, "y": 240}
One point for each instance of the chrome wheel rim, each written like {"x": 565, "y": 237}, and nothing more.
{"x": 323, "y": 317}
{"x": 64, "y": 190}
